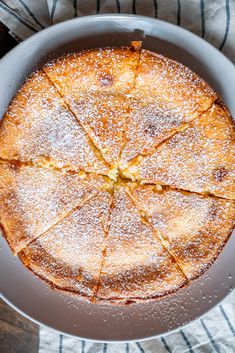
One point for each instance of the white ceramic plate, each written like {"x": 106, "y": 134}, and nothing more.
{"x": 30, "y": 295}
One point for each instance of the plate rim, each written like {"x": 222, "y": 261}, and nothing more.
{"x": 39, "y": 323}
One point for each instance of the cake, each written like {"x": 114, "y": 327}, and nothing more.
{"x": 117, "y": 175}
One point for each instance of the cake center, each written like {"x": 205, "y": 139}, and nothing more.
{"x": 120, "y": 176}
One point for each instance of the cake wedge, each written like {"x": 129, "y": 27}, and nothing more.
{"x": 200, "y": 159}
{"x": 95, "y": 84}
{"x": 69, "y": 255}
{"x": 165, "y": 98}
{"x": 33, "y": 199}
{"x": 192, "y": 227}
{"x": 136, "y": 266}
{"x": 39, "y": 128}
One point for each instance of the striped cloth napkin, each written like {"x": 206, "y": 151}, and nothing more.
{"x": 214, "y": 20}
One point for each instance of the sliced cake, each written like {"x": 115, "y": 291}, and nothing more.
{"x": 192, "y": 227}
{"x": 201, "y": 158}
{"x": 136, "y": 266}
{"x": 38, "y": 127}
{"x": 34, "y": 199}
{"x": 167, "y": 95}
{"x": 69, "y": 255}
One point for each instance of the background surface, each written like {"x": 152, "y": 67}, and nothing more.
{"x": 213, "y": 20}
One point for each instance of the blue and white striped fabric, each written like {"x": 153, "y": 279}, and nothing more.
{"x": 214, "y": 20}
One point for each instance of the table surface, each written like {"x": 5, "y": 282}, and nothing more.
{"x": 17, "y": 334}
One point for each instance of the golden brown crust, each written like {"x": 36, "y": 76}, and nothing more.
{"x": 116, "y": 111}
{"x": 33, "y": 199}
{"x": 201, "y": 158}
{"x": 167, "y": 95}
{"x": 135, "y": 264}
{"x": 193, "y": 228}
{"x": 93, "y": 84}
{"x": 38, "y": 127}
{"x": 69, "y": 255}
{"x": 138, "y": 300}
{"x": 104, "y": 70}
{"x": 103, "y": 117}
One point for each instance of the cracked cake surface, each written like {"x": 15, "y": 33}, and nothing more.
{"x": 136, "y": 265}
{"x": 193, "y": 231}
{"x": 39, "y": 127}
{"x": 201, "y": 158}
{"x": 117, "y": 175}
{"x": 166, "y": 96}
{"x": 32, "y": 199}
{"x": 69, "y": 254}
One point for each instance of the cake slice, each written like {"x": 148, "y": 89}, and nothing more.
{"x": 39, "y": 128}
{"x": 33, "y": 199}
{"x": 200, "y": 158}
{"x": 94, "y": 84}
{"x": 192, "y": 227}
{"x": 167, "y": 95}
{"x": 69, "y": 255}
{"x": 103, "y": 117}
{"x": 136, "y": 266}
{"x": 104, "y": 70}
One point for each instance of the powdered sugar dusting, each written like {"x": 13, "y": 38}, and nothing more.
{"x": 166, "y": 96}
{"x": 193, "y": 227}
{"x": 104, "y": 119}
{"x": 34, "y": 199}
{"x": 149, "y": 123}
{"x": 108, "y": 70}
{"x": 93, "y": 84}
{"x": 201, "y": 158}
{"x": 135, "y": 264}
{"x": 70, "y": 253}
{"x": 173, "y": 82}
{"x": 143, "y": 117}
{"x": 49, "y": 134}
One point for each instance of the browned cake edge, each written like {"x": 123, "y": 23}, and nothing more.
{"x": 120, "y": 301}
{"x": 130, "y": 300}
{"x": 202, "y": 271}
{"x": 134, "y": 300}
{"x": 96, "y": 151}
{"x": 135, "y": 46}
{"x": 203, "y": 85}
{"x": 66, "y": 290}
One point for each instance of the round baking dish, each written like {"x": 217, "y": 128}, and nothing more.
{"x": 31, "y": 296}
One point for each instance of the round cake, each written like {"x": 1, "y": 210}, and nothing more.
{"x": 117, "y": 174}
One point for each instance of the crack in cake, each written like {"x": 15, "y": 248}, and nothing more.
{"x": 117, "y": 175}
